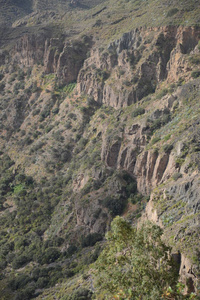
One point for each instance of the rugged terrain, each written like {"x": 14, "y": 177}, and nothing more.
{"x": 99, "y": 117}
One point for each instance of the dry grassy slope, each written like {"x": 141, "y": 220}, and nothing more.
{"x": 107, "y": 20}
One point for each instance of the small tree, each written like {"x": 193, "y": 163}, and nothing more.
{"x": 135, "y": 264}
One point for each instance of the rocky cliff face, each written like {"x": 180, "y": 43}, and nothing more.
{"x": 64, "y": 59}
{"x": 133, "y": 66}
{"x": 29, "y": 50}
{"x": 128, "y": 129}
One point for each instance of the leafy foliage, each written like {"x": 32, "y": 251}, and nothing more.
{"x": 91, "y": 239}
{"x": 115, "y": 205}
{"x": 135, "y": 263}
{"x": 138, "y": 111}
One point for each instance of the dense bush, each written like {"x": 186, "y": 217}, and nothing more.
{"x": 19, "y": 261}
{"x": 195, "y": 74}
{"x": 138, "y": 111}
{"x": 42, "y": 282}
{"x": 50, "y": 255}
{"x": 25, "y": 294}
{"x": 176, "y": 176}
{"x": 195, "y": 59}
{"x": 91, "y": 239}
{"x": 136, "y": 198}
{"x": 131, "y": 188}
{"x": 34, "y": 87}
{"x": 80, "y": 294}
{"x": 71, "y": 250}
{"x": 44, "y": 114}
{"x": 87, "y": 188}
{"x": 115, "y": 205}
{"x": 135, "y": 264}
{"x": 155, "y": 140}
{"x": 2, "y": 86}
{"x": 36, "y": 112}
{"x": 18, "y": 86}
{"x": 1, "y": 76}
{"x": 172, "y": 12}
{"x": 27, "y": 141}
{"x": 72, "y": 116}
{"x": 158, "y": 123}
{"x": 55, "y": 110}
{"x": 162, "y": 93}
{"x": 167, "y": 148}
{"x": 19, "y": 282}
{"x": 20, "y": 75}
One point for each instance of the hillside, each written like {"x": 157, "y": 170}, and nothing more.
{"x": 99, "y": 117}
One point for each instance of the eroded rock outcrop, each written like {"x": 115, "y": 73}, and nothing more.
{"x": 176, "y": 209}
{"x": 138, "y": 61}
{"x": 28, "y": 50}
{"x": 62, "y": 58}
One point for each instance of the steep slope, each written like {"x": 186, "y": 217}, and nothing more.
{"x": 97, "y": 117}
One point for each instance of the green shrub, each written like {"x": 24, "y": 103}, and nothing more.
{"x": 55, "y": 110}
{"x": 158, "y": 123}
{"x": 98, "y": 23}
{"x": 69, "y": 273}
{"x": 2, "y": 86}
{"x": 44, "y": 114}
{"x": 72, "y": 116}
{"x": 23, "y": 132}
{"x": 80, "y": 294}
{"x": 195, "y": 74}
{"x": 20, "y": 75}
{"x": 19, "y": 261}
{"x": 167, "y": 137}
{"x": 36, "y": 112}
{"x": 127, "y": 83}
{"x": 162, "y": 93}
{"x": 129, "y": 263}
{"x": 155, "y": 140}
{"x": 91, "y": 239}
{"x": 138, "y": 111}
{"x": 131, "y": 188}
{"x": 115, "y": 205}
{"x": 172, "y": 12}
{"x": 195, "y": 59}
{"x": 37, "y": 146}
{"x": 34, "y": 87}
{"x": 49, "y": 128}
{"x": 18, "y": 86}
{"x": 134, "y": 79}
{"x": 71, "y": 250}
{"x": 42, "y": 282}
{"x": 19, "y": 282}
{"x": 18, "y": 188}
{"x": 58, "y": 136}
{"x": 68, "y": 125}
{"x": 167, "y": 148}
{"x": 50, "y": 255}
{"x": 87, "y": 188}
{"x": 1, "y": 76}
{"x": 136, "y": 198}
{"x": 121, "y": 72}
{"x": 97, "y": 213}
{"x": 26, "y": 294}
{"x": 27, "y": 140}
{"x": 65, "y": 156}
{"x": 176, "y": 176}
{"x": 179, "y": 161}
